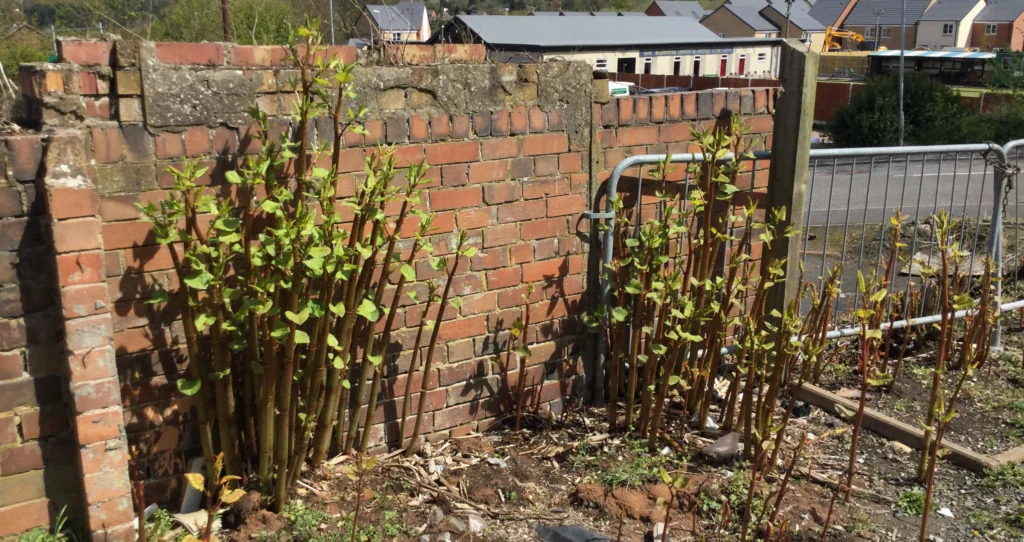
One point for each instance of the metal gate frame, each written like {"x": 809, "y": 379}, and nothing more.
{"x": 1004, "y": 177}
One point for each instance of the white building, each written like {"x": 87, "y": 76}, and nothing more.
{"x": 642, "y": 45}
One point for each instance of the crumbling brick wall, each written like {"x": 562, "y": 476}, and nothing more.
{"x": 517, "y": 153}
{"x": 38, "y": 472}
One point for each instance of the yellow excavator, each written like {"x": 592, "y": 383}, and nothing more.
{"x": 833, "y": 33}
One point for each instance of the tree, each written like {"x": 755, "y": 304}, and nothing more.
{"x": 262, "y": 22}
{"x": 870, "y": 120}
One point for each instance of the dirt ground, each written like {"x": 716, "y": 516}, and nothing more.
{"x": 502, "y": 485}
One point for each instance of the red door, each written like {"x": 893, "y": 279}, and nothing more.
{"x": 743, "y": 65}
{"x": 723, "y": 67}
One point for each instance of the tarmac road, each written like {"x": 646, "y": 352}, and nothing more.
{"x": 873, "y": 188}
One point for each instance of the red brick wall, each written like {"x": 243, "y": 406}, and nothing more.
{"x": 38, "y": 473}
{"x": 516, "y": 153}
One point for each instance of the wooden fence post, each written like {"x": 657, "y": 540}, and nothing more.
{"x": 791, "y": 147}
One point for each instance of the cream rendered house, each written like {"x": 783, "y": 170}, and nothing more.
{"x": 948, "y": 23}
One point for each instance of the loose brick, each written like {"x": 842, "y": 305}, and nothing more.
{"x": 84, "y": 300}
{"x": 77, "y": 234}
{"x": 461, "y": 126}
{"x": 519, "y": 120}
{"x": 570, "y": 162}
{"x": 103, "y": 486}
{"x": 455, "y": 175}
{"x": 80, "y": 268}
{"x": 538, "y": 120}
{"x": 496, "y": 193}
{"x": 452, "y": 153}
{"x": 500, "y": 123}
{"x": 504, "y": 234}
{"x": 197, "y": 141}
{"x": 205, "y": 54}
{"x": 85, "y": 52}
{"x": 471, "y": 219}
{"x": 169, "y": 145}
{"x": 519, "y": 211}
{"x": 539, "y": 144}
{"x": 440, "y": 127}
{"x": 657, "y": 108}
{"x": 546, "y": 270}
{"x": 225, "y": 141}
{"x": 96, "y": 394}
{"x": 542, "y": 229}
{"x": 521, "y": 168}
{"x": 759, "y": 125}
{"x": 99, "y": 425}
{"x": 11, "y": 366}
{"x": 455, "y": 198}
{"x": 8, "y": 430}
{"x": 128, "y": 82}
{"x": 89, "y": 332}
{"x": 482, "y": 125}
{"x": 128, "y": 234}
{"x": 103, "y": 457}
{"x": 24, "y": 516}
{"x": 138, "y": 144}
{"x": 504, "y": 278}
{"x": 485, "y": 172}
{"x": 10, "y": 203}
{"x": 419, "y": 129}
{"x": 540, "y": 188}
{"x": 397, "y": 129}
{"x": 689, "y": 107}
{"x": 681, "y": 131}
{"x": 110, "y": 514}
{"x": 106, "y": 145}
{"x": 19, "y": 459}
{"x": 625, "y": 111}
{"x": 43, "y": 422}
{"x": 24, "y": 157}
{"x": 637, "y": 135}
{"x": 493, "y": 149}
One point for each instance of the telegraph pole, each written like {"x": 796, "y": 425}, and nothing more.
{"x": 878, "y": 26}
{"x": 330, "y": 7}
{"x": 225, "y": 12}
{"x": 903, "y": 48}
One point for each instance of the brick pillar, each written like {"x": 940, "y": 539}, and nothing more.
{"x": 73, "y": 209}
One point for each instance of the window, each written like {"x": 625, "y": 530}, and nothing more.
{"x": 761, "y": 57}
{"x": 396, "y": 36}
{"x": 721, "y": 34}
{"x": 648, "y": 64}
{"x": 743, "y": 65}
{"x": 948, "y": 29}
{"x": 990, "y": 29}
{"x": 677, "y": 65}
{"x": 696, "y": 66}
{"x": 886, "y": 32}
{"x": 723, "y": 66}
{"x": 601, "y": 65}
{"x": 869, "y": 32}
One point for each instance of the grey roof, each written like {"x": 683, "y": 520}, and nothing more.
{"x": 800, "y": 18}
{"x": 949, "y": 10}
{"x": 864, "y": 12}
{"x": 587, "y": 13}
{"x": 400, "y": 17}
{"x": 557, "y": 32}
{"x": 1000, "y": 11}
{"x": 751, "y": 15}
{"x": 676, "y": 8}
{"x": 827, "y": 12}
